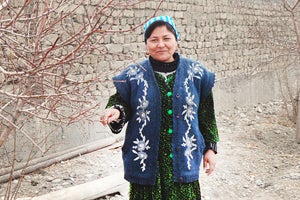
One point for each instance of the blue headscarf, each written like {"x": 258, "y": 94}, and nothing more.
{"x": 167, "y": 19}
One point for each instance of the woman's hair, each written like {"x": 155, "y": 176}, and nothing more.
{"x": 150, "y": 29}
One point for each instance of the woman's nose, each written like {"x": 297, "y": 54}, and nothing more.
{"x": 161, "y": 43}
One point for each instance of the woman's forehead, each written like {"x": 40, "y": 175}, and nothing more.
{"x": 161, "y": 31}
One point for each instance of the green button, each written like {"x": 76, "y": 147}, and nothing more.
{"x": 170, "y": 131}
{"x": 170, "y": 112}
{"x": 171, "y": 155}
{"x": 169, "y": 79}
{"x": 169, "y": 94}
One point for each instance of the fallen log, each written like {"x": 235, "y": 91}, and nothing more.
{"x": 88, "y": 191}
{"x": 47, "y": 161}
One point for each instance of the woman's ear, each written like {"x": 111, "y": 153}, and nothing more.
{"x": 146, "y": 52}
{"x": 177, "y": 47}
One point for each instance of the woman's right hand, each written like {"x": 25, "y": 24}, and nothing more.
{"x": 109, "y": 115}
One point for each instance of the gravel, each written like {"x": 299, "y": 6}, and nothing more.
{"x": 258, "y": 158}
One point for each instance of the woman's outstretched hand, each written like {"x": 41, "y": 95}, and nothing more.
{"x": 109, "y": 115}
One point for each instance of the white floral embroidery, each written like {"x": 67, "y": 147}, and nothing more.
{"x": 190, "y": 147}
{"x": 139, "y": 149}
{"x": 189, "y": 112}
{"x": 141, "y": 143}
{"x": 143, "y": 103}
{"x": 143, "y": 116}
{"x": 189, "y": 107}
{"x": 132, "y": 71}
{"x": 195, "y": 71}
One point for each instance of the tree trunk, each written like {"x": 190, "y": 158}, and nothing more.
{"x": 298, "y": 122}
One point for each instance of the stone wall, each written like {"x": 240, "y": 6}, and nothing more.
{"x": 227, "y": 36}
{"x": 220, "y": 34}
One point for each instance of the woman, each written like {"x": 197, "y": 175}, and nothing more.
{"x": 168, "y": 104}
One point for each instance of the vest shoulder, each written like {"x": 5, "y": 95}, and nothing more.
{"x": 191, "y": 62}
{"x": 133, "y": 68}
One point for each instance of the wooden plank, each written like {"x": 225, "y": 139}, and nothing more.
{"x": 88, "y": 191}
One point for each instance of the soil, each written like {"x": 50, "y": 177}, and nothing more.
{"x": 258, "y": 158}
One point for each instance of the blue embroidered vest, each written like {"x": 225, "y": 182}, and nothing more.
{"x": 138, "y": 88}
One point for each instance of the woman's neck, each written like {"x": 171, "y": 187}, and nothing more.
{"x": 163, "y": 66}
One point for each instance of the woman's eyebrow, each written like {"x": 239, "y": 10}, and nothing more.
{"x": 166, "y": 35}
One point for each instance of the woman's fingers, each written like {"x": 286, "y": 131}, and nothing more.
{"x": 209, "y": 162}
{"x": 109, "y": 115}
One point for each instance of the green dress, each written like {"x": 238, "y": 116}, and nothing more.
{"x": 165, "y": 188}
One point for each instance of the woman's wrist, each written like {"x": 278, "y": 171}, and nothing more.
{"x": 117, "y": 126}
{"x": 211, "y": 146}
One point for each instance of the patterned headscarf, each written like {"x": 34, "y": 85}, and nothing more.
{"x": 167, "y": 19}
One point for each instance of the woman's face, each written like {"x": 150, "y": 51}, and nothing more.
{"x": 162, "y": 44}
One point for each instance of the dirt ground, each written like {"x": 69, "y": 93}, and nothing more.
{"x": 258, "y": 159}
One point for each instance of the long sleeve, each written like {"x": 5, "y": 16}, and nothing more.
{"x": 115, "y": 101}
{"x": 207, "y": 123}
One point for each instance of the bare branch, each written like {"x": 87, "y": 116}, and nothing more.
{"x": 4, "y": 4}
{"x": 3, "y": 135}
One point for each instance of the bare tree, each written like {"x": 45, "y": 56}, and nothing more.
{"x": 283, "y": 39}
{"x": 293, "y": 8}
{"x": 42, "y": 46}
